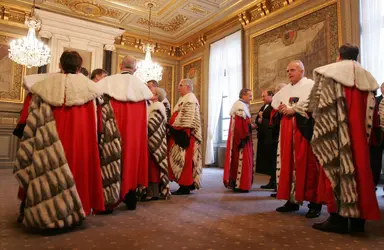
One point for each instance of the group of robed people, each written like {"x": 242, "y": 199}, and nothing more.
{"x": 315, "y": 139}
{"x": 89, "y": 144}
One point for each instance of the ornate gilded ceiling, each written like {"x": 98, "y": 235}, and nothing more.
{"x": 172, "y": 20}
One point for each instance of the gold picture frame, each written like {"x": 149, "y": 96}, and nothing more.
{"x": 313, "y": 36}
{"x": 194, "y": 70}
{"x": 11, "y": 73}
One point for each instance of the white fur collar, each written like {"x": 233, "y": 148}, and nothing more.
{"x": 349, "y": 73}
{"x": 30, "y": 80}
{"x": 157, "y": 106}
{"x": 125, "y": 87}
{"x": 68, "y": 89}
{"x": 188, "y": 98}
{"x": 239, "y": 105}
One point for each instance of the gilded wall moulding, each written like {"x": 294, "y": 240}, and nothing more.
{"x": 134, "y": 43}
{"x": 13, "y": 15}
{"x": 173, "y": 25}
{"x": 89, "y": 8}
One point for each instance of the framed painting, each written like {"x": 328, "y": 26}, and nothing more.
{"x": 11, "y": 73}
{"x": 194, "y": 70}
{"x": 312, "y": 37}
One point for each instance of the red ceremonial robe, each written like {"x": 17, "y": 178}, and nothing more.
{"x": 238, "y": 168}
{"x": 72, "y": 101}
{"x": 128, "y": 98}
{"x": 297, "y": 170}
{"x": 185, "y": 164}
{"x": 298, "y": 164}
{"x": 358, "y": 198}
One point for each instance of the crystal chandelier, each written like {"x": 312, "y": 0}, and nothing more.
{"x": 147, "y": 69}
{"x": 30, "y": 51}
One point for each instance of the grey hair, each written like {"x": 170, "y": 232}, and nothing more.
{"x": 188, "y": 82}
{"x": 160, "y": 93}
{"x": 299, "y": 63}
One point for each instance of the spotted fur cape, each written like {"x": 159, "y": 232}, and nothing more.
{"x": 110, "y": 153}
{"x": 331, "y": 142}
{"x": 41, "y": 167}
{"x": 157, "y": 142}
{"x": 188, "y": 116}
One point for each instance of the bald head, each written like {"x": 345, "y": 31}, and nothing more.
{"x": 295, "y": 71}
{"x": 128, "y": 64}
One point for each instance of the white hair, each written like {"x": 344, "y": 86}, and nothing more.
{"x": 188, "y": 82}
{"x": 300, "y": 64}
{"x": 161, "y": 94}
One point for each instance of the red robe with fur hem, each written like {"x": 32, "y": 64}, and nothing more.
{"x": 344, "y": 88}
{"x": 128, "y": 97}
{"x": 238, "y": 168}
{"x": 185, "y": 163}
{"x": 297, "y": 168}
{"x": 58, "y": 141}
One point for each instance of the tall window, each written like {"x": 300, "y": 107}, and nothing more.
{"x": 372, "y": 37}
{"x": 225, "y": 82}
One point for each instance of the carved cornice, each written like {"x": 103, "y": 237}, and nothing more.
{"x": 13, "y": 16}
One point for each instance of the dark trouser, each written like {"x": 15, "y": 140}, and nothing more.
{"x": 376, "y": 156}
{"x": 266, "y": 160}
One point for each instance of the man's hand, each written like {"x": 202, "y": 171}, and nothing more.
{"x": 282, "y": 107}
{"x": 260, "y": 113}
{"x": 288, "y": 111}
{"x": 253, "y": 125}
{"x": 259, "y": 120}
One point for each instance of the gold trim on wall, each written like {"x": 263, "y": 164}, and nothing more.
{"x": 286, "y": 21}
{"x": 17, "y": 92}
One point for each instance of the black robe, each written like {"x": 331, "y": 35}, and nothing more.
{"x": 268, "y": 137}
{"x": 376, "y": 144}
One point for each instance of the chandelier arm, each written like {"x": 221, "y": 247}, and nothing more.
{"x": 33, "y": 8}
{"x": 149, "y": 22}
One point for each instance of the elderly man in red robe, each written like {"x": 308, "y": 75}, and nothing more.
{"x": 238, "y": 168}
{"x": 297, "y": 168}
{"x": 128, "y": 96}
{"x": 184, "y": 144}
{"x": 60, "y": 183}
{"x": 342, "y": 102}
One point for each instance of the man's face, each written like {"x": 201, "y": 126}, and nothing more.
{"x": 99, "y": 77}
{"x": 150, "y": 86}
{"x": 155, "y": 97}
{"x": 294, "y": 72}
{"x": 382, "y": 89}
{"x": 247, "y": 97}
{"x": 266, "y": 98}
{"x": 183, "y": 88}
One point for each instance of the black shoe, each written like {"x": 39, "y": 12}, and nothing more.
{"x": 313, "y": 213}
{"x": 288, "y": 207}
{"x": 270, "y": 185}
{"x": 105, "y": 212}
{"x": 238, "y": 190}
{"x": 131, "y": 200}
{"x": 273, "y": 195}
{"x": 20, "y": 218}
{"x": 314, "y": 210}
{"x": 182, "y": 191}
{"x": 357, "y": 225}
{"x": 334, "y": 224}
